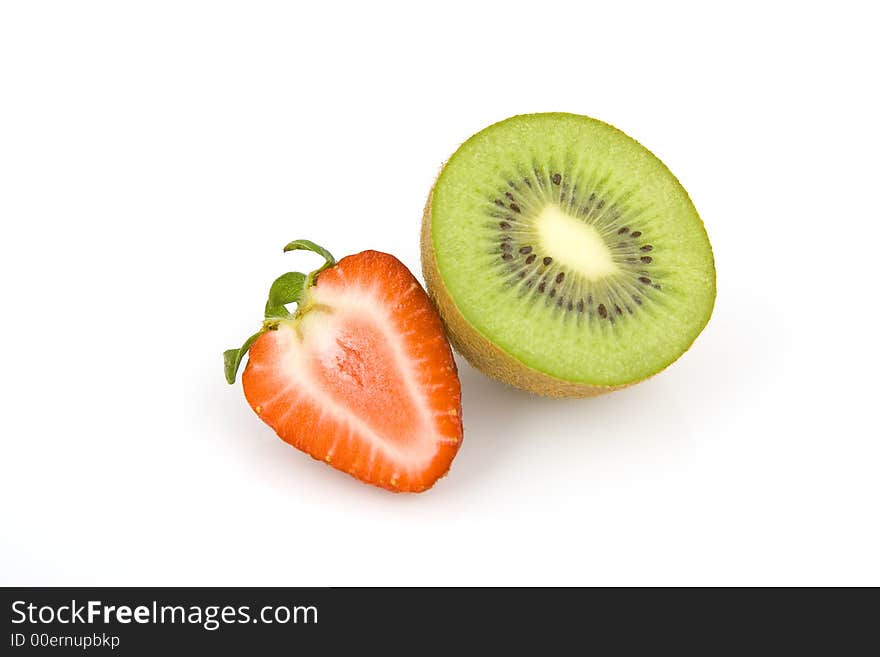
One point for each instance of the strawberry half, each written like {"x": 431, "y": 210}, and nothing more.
{"x": 361, "y": 376}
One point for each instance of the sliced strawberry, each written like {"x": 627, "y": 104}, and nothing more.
{"x": 361, "y": 376}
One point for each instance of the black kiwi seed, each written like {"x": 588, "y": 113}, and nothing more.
{"x": 506, "y": 256}
{"x": 542, "y": 287}
{"x": 515, "y": 207}
{"x": 636, "y": 233}
{"x": 580, "y": 306}
{"x": 509, "y": 195}
{"x": 647, "y": 259}
{"x": 570, "y": 305}
{"x": 503, "y": 225}
{"x": 589, "y": 299}
{"x": 531, "y": 259}
{"x": 559, "y": 302}
{"x": 506, "y": 246}
{"x": 637, "y": 299}
{"x": 618, "y": 310}
{"x": 603, "y": 313}
{"x": 645, "y": 280}
{"x": 556, "y": 179}
{"x": 560, "y": 276}
{"x": 547, "y": 260}
{"x": 522, "y": 274}
{"x": 499, "y": 202}
{"x": 619, "y": 232}
{"x": 525, "y": 249}
{"x": 552, "y": 292}
{"x": 647, "y": 247}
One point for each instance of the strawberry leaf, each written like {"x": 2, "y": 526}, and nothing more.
{"x": 232, "y": 357}
{"x": 308, "y": 245}
{"x": 287, "y": 288}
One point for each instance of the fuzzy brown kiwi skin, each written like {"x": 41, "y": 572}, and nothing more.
{"x": 479, "y": 350}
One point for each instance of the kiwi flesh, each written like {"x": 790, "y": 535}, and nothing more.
{"x": 564, "y": 257}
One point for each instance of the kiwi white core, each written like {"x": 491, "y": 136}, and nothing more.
{"x": 574, "y": 243}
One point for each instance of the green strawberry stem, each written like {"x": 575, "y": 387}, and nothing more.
{"x": 291, "y": 287}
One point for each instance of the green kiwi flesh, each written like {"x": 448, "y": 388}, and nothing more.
{"x": 565, "y": 257}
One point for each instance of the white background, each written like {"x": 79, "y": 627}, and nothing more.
{"x": 155, "y": 157}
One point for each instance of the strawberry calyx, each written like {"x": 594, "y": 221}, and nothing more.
{"x": 292, "y": 287}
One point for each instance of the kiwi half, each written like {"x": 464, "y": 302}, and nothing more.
{"x": 564, "y": 257}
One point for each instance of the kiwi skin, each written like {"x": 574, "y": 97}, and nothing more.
{"x": 480, "y": 351}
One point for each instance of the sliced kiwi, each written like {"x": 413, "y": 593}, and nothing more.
{"x": 564, "y": 257}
